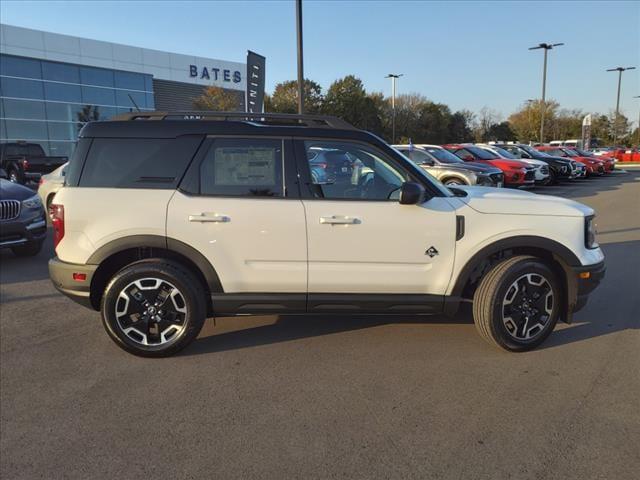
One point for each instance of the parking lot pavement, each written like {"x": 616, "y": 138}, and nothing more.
{"x": 294, "y": 397}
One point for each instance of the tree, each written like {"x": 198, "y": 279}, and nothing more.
{"x": 485, "y": 119}
{"x": 217, "y": 99}
{"x": 500, "y": 132}
{"x": 285, "y": 97}
{"x": 525, "y": 122}
{"x": 89, "y": 113}
{"x": 346, "y": 98}
{"x": 459, "y": 128}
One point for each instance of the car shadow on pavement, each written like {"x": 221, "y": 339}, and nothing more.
{"x": 293, "y": 327}
{"x": 587, "y": 187}
{"x": 15, "y": 269}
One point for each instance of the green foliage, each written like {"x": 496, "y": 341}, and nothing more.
{"x": 285, "y": 97}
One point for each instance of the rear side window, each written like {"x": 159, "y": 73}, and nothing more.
{"x": 138, "y": 162}
{"x": 243, "y": 167}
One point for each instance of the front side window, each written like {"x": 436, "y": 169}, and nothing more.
{"x": 342, "y": 170}
{"x": 243, "y": 167}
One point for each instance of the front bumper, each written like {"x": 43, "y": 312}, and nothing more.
{"x": 21, "y": 230}
{"x": 583, "y": 281}
{"x": 62, "y": 277}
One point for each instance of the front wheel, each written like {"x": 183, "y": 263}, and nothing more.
{"x": 517, "y": 304}
{"x": 153, "y": 308}
{"x": 453, "y": 182}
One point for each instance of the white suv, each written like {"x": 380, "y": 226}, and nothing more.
{"x": 167, "y": 219}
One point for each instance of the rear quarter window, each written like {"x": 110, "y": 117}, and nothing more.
{"x": 138, "y": 162}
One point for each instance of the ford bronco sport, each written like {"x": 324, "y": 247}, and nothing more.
{"x": 167, "y": 219}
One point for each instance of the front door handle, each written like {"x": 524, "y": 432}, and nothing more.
{"x": 340, "y": 220}
{"x": 203, "y": 218}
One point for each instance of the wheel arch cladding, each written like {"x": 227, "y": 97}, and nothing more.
{"x": 559, "y": 257}
{"x": 119, "y": 253}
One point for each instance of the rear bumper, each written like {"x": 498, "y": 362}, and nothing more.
{"x": 62, "y": 273}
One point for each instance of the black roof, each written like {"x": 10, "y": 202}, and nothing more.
{"x": 173, "y": 124}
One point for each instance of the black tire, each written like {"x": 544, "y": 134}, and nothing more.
{"x": 186, "y": 313}
{"x": 28, "y": 250}
{"x": 489, "y": 308}
{"x": 553, "y": 178}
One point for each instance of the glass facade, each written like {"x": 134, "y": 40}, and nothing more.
{"x": 48, "y": 102}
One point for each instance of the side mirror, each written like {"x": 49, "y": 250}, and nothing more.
{"x": 412, "y": 193}
{"x": 526, "y": 155}
{"x": 3, "y": 174}
{"x": 428, "y": 162}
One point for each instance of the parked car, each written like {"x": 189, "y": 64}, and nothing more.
{"x": 593, "y": 165}
{"x": 559, "y": 168}
{"x": 228, "y": 221}
{"x": 25, "y": 161}
{"x": 541, "y": 168}
{"x": 450, "y": 169}
{"x": 609, "y": 162}
{"x": 516, "y": 173}
{"x": 50, "y": 184}
{"x": 23, "y": 225}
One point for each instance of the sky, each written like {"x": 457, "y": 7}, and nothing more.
{"x": 467, "y": 54}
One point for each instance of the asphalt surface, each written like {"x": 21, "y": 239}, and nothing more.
{"x": 329, "y": 397}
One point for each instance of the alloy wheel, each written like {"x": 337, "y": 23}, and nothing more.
{"x": 151, "y": 311}
{"x": 527, "y": 306}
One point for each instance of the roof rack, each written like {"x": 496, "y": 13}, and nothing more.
{"x": 282, "y": 119}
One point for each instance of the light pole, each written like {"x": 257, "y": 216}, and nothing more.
{"x": 300, "y": 57}
{"x": 529, "y": 102}
{"x": 393, "y": 77}
{"x": 546, "y": 47}
{"x": 638, "y": 129}
{"x": 615, "y": 121}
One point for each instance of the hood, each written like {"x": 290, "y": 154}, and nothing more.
{"x": 503, "y": 162}
{"x": 519, "y": 202}
{"x": 532, "y": 161}
{"x": 474, "y": 167}
{"x": 14, "y": 191}
{"x": 564, "y": 160}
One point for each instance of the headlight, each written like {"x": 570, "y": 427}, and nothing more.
{"x": 32, "y": 202}
{"x": 590, "y": 232}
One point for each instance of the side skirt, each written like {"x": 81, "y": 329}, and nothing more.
{"x": 283, "y": 303}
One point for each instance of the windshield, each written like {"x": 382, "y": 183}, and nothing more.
{"x": 480, "y": 153}
{"x": 533, "y": 152}
{"x": 504, "y": 153}
{"x": 443, "y": 155}
{"x": 423, "y": 173}
{"x": 571, "y": 153}
{"x": 584, "y": 153}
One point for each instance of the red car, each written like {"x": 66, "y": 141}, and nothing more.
{"x": 516, "y": 173}
{"x": 594, "y": 165}
{"x": 609, "y": 162}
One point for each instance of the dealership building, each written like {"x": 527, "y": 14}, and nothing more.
{"x": 52, "y": 84}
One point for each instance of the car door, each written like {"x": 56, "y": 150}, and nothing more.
{"x": 239, "y": 207}
{"x": 362, "y": 241}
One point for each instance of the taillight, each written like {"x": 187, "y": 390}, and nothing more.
{"x": 25, "y": 165}
{"x": 57, "y": 221}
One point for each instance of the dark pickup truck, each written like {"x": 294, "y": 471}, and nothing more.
{"x": 25, "y": 161}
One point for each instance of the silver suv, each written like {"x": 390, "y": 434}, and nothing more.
{"x": 450, "y": 169}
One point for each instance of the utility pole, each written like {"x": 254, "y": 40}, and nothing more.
{"x": 393, "y": 77}
{"x": 638, "y": 129}
{"x": 529, "y": 102}
{"x": 615, "y": 121}
{"x": 300, "y": 57}
{"x": 546, "y": 47}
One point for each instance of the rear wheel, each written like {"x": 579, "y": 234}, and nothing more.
{"x": 517, "y": 304}
{"x": 153, "y": 308}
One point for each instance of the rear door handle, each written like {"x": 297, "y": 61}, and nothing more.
{"x": 340, "y": 220}
{"x": 203, "y": 218}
